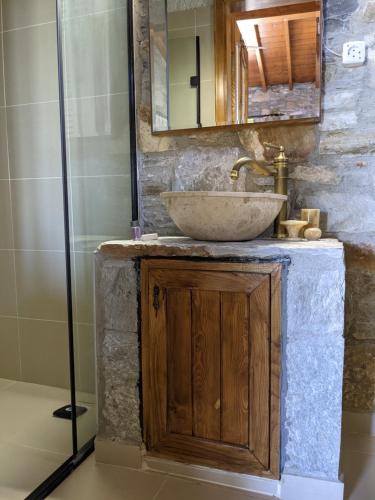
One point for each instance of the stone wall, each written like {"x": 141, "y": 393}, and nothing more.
{"x": 332, "y": 167}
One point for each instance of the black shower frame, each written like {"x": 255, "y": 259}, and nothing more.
{"x": 79, "y": 455}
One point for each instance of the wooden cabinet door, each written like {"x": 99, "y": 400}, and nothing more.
{"x": 210, "y": 363}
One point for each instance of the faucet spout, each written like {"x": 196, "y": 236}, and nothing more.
{"x": 280, "y": 174}
{"x": 249, "y": 163}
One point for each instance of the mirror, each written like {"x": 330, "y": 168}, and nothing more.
{"x": 234, "y": 62}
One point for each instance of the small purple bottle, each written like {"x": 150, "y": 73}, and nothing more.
{"x": 136, "y": 230}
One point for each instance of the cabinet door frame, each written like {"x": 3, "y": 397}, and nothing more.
{"x": 151, "y": 268}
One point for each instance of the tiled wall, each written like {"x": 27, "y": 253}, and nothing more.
{"x": 33, "y": 322}
{"x": 33, "y": 327}
{"x": 96, "y": 81}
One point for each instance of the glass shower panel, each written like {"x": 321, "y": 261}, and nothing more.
{"x": 98, "y": 157}
{"x": 34, "y": 346}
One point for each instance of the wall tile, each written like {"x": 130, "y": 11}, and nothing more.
{"x": 183, "y": 106}
{"x": 6, "y": 240}
{"x": 204, "y": 16}
{"x": 2, "y": 102}
{"x": 9, "y": 352}
{"x": 182, "y": 60}
{"x": 31, "y": 65}
{"x": 86, "y": 350}
{"x": 84, "y": 287}
{"x": 208, "y": 97}
{"x": 45, "y": 352}
{"x": 41, "y": 285}
{"x": 181, "y": 19}
{"x": 8, "y": 302}
{"x": 84, "y": 7}
{"x": 207, "y": 53}
{"x": 3, "y": 145}
{"x": 96, "y": 54}
{"x": 34, "y": 140}
{"x": 188, "y": 32}
{"x": 101, "y": 210}
{"x": 38, "y": 214}
{"x": 18, "y": 13}
{"x": 99, "y": 135}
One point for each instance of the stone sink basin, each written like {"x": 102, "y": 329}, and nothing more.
{"x": 222, "y": 216}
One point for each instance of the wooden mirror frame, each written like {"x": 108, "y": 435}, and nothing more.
{"x": 224, "y": 20}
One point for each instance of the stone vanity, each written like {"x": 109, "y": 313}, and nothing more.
{"x": 313, "y": 287}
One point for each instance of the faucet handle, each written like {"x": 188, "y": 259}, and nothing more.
{"x": 269, "y": 145}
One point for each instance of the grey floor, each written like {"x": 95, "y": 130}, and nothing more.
{"x": 33, "y": 444}
{"x": 93, "y": 481}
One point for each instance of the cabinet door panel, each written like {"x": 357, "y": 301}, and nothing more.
{"x": 208, "y": 280}
{"x": 156, "y": 403}
{"x": 207, "y": 370}
{"x": 180, "y": 415}
{"x": 259, "y": 414}
{"x": 235, "y": 368}
{"x": 206, "y": 364}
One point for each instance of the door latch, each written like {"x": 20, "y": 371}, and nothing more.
{"x": 156, "y": 294}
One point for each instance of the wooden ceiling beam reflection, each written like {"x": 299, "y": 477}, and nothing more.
{"x": 290, "y": 41}
{"x": 275, "y": 19}
{"x": 259, "y": 57}
{"x": 288, "y": 53}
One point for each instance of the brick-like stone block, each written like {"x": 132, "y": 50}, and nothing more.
{"x": 118, "y": 383}
{"x": 118, "y": 291}
{"x": 316, "y": 302}
{"x": 311, "y": 432}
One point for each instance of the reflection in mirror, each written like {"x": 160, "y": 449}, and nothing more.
{"x": 234, "y": 62}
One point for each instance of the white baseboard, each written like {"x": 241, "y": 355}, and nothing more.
{"x": 288, "y": 488}
{"x": 113, "y": 453}
{"x": 358, "y": 422}
{"x": 246, "y": 482}
{"x": 306, "y": 488}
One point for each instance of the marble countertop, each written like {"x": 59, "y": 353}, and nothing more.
{"x": 186, "y": 247}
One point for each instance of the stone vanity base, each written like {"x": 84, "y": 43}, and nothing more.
{"x": 312, "y": 360}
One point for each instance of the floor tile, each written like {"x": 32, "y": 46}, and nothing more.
{"x": 182, "y": 489}
{"x": 359, "y": 443}
{"x": 359, "y": 475}
{"x": 5, "y": 383}
{"x": 105, "y": 482}
{"x": 22, "y": 469}
{"x": 10, "y": 367}
{"x": 26, "y": 418}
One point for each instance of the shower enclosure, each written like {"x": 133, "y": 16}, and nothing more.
{"x": 67, "y": 150}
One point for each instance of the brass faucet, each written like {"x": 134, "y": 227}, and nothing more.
{"x": 279, "y": 171}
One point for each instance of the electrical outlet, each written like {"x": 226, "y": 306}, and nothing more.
{"x": 354, "y": 54}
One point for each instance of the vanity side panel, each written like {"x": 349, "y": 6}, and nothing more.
{"x": 313, "y": 354}
{"x": 117, "y": 347}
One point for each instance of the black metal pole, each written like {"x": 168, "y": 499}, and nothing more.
{"x": 132, "y": 115}
{"x": 198, "y": 62}
{"x": 65, "y": 186}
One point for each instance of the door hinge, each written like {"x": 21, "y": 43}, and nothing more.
{"x": 156, "y": 294}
